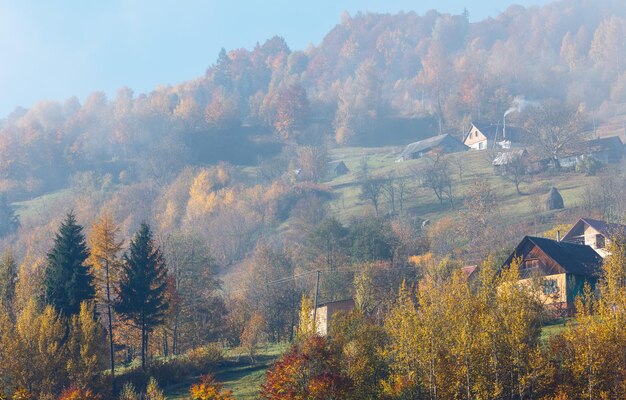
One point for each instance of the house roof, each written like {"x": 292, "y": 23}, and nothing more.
{"x": 577, "y": 259}
{"x": 469, "y": 271}
{"x": 508, "y": 156}
{"x": 607, "y": 229}
{"x": 592, "y": 146}
{"x": 491, "y": 130}
{"x": 334, "y": 164}
{"x": 435, "y": 141}
{"x": 349, "y": 300}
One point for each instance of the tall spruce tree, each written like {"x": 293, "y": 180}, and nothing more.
{"x": 9, "y": 221}
{"x": 68, "y": 280}
{"x": 141, "y": 292}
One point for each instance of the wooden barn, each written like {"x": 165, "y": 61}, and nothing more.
{"x": 564, "y": 267}
{"x": 441, "y": 143}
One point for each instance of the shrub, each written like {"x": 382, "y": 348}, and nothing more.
{"x": 209, "y": 389}
{"x": 202, "y": 359}
{"x": 74, "y": 393}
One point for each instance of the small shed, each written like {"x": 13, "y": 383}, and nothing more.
{"x": 325, "y": 312}
{"x": 554, "y": 200}
{"x": 338, "y": 168}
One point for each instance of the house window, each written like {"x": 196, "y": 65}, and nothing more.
{"x": 600, "y": 242}
{"x": 550, "y": 286}
{"x": 531, "y": 264}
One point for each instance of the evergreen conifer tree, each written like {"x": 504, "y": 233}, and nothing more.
{"x": 141, "y": 292}
{"x": 68, "y": 280}
{"x": 8, "y": 219}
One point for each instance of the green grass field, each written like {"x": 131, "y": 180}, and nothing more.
{"x": 473, "y": 165}
{"x": 38, "y": 205}
{"x": 237, "y": 373}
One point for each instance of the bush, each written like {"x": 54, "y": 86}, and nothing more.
{"x": 202, "y": 359}
{"x": 166, "y": 371}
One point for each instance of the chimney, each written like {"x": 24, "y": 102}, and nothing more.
{"x": 558, "y": 235}
{"x": 504, "y": 128}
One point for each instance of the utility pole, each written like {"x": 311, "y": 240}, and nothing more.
{"x": 317, "y": 286}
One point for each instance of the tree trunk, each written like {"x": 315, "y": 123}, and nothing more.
{"x": 175, "y": 336}
{"x": 144, "y": 335}
{"x": 110, "y": 323}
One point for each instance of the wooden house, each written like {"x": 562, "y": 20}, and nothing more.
{"x": 338, "y": 168}
{"x": 484, "y": 136}
{"x": 325, "y": 312}
{"x": 594, "y": 233}
{"x": 441, "y": 143}
{"x": 564, "y": 268}
{"x": 605, "y": 150}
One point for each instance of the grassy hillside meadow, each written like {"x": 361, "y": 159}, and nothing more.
{"x": 474, "y": 165}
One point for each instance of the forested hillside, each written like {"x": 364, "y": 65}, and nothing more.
{"x": 222, "y": 186}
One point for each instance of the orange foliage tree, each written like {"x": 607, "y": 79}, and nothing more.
{"x": 309, "y": 371}
{"x": 209, "y": 389}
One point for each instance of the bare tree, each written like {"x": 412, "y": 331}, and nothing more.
{"x": 515, "y": 170}
{"x": 371, "y": 190}
{"x": 437, "y": 177}
{"x": 390, "y": 192}
{"x": 555, "y": 126}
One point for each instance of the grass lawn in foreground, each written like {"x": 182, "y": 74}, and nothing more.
{"x": 237, "y": 373}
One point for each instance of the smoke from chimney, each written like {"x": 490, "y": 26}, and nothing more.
{"x": 518, "y": 105}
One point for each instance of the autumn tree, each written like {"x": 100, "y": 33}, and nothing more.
{"x": 104, "y": 258}
{"x": 68, "y": 280}
{"x": 209, "y": 389}
{"x": 362, "y": 342}
{"x": 292, "y": 110}
{"x": 310, "y": 370}
{"x": 196, "y": 313}
{"x": 86, "y": 348}
{"x": 153, "y": 392}
{"x": 141, "y": 290}
{"x": 306, "y": 325}
{"x": 39, "y": 351}
{"x": 252, "y": 335}
{"x": 272, "y": 292}
{"x": 590, "y": 353}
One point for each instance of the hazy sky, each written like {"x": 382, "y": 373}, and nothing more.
{"x": 56, "y": 49}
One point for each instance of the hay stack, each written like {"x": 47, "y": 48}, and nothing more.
{"x": 554, "y": 201}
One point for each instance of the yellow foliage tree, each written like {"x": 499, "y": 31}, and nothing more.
{"x": 306, "y": 325}
{"x": 106, "y": 264}
{"x": 86, "y": 347}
